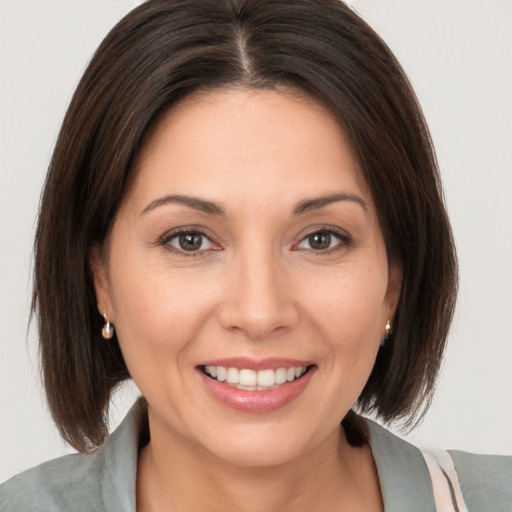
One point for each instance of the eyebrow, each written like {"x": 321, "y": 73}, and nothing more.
{"x": 202, "y": 205}
{"x": 212, "y": 208}
{"x": 316, "y": 203}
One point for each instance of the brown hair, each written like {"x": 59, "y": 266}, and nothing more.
{"x": 156, "y": 55}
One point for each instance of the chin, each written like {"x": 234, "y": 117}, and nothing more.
{"x": 256, "y": 456}
{"x": 260, "y": 446}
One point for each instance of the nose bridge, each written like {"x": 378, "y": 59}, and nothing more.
{"x": 257, "y": 301}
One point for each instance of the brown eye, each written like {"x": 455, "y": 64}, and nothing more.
{"x": 190, "y": 241}
{"x": 324, "y": 241}
{"x": 319, "y": 241}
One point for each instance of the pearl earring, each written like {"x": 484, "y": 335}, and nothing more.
{"x": 108, "y": 329}
{"x": 387, "y": 329}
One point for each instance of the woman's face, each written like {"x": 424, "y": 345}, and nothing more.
{"x": 247, "y": 252}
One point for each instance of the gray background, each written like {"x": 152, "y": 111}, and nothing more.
{"x": 458, "y": 55}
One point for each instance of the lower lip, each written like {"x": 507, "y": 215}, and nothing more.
{"x": 257, "y": 401}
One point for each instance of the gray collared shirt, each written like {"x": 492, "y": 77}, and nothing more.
{"x": 106, "y": 479}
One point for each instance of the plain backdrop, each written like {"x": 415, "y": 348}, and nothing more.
{"x": 458, "y": 55}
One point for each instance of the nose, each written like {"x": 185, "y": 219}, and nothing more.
{"x": 258, "y": 301}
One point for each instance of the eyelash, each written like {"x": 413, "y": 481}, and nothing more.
{"x": 165, "y": 241}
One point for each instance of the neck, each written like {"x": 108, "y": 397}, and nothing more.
{"x": 174, "y": 475}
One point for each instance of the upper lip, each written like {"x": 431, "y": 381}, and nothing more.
{"x": 272, "y": 363}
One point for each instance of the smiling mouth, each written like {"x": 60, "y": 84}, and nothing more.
{"x": 251, "y": 380}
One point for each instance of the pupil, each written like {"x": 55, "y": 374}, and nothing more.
{"x": 320, "y": 241}
{"x": 190, "y": 241}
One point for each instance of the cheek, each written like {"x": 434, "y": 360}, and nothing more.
{"x": 348, "y": 313}
{"x": 157, "y": 310}
{"x": 350, "y": 306}
{"x": 349, "y": 325}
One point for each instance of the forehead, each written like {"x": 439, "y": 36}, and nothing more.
{"x": 245, "y": 143}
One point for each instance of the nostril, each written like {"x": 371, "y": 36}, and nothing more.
{"x": 257, "y": 324}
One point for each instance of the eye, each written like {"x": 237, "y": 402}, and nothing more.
{"x": 323, "y": 240}
{"x": 189, "y": 241}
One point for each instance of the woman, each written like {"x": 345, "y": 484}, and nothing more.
{"x": 243, "y": 214}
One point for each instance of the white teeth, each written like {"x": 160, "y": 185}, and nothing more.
{"x": 247, "y": 388}
{"x": 253, "y": 380}
{"x": 266, "y": 378}
{"x": 211, "y": 370}
{"x": 281, "y": 376}
{"x": 221, "y": 373}
{"x": 248, "y": 377}
{"x": 232, "y": 375}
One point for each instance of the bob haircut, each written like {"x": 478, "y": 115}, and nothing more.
{"x": 159, "y": 53}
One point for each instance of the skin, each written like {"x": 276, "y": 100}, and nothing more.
{"x": 257, "y": 287}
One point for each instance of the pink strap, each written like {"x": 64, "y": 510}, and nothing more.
{"x": 445, "y": 483}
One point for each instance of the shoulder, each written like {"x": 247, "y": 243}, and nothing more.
{"x": 103, "y": 480}
{"x": 485, "y": 480}
{"x": 65, "y": 483}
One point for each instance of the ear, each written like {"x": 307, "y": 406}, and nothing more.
{"x": 394, "y": 288}
{"x": 99, "y": 274}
